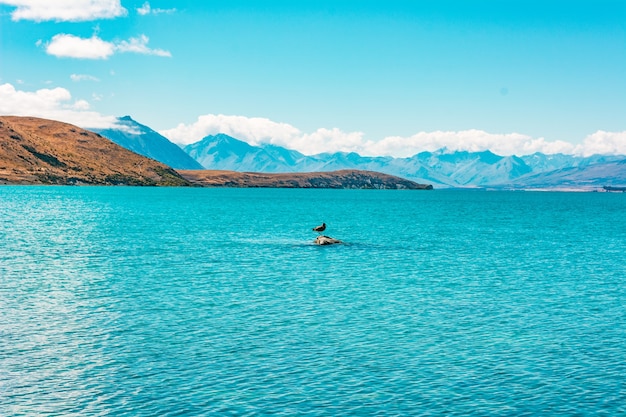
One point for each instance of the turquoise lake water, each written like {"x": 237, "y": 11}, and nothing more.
{"x": 124, "y": 301}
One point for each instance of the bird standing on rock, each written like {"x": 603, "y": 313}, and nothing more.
{"x": 320, "y": 228}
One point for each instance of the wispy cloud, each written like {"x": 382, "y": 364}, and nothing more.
{"x": 256, "y": 130}
{"x": 83, "y": 77}
{"x": 70, "y": 46}
{"x": 66, "y": 10}
{"x": 146, "y": 9}
{"x": 140, "y": 46}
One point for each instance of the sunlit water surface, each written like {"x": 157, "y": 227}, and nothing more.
{"x": 172, "y": 301}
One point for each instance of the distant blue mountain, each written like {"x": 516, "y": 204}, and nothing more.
{"x": 442, "y": 168}
{"x": 462, "y": 168}
{"x": 145, "y": 141}
{"x": 225, "y": 152}
{"x": 609, "y": 171}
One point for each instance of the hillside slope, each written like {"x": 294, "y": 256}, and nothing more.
{"x": 141, "y": 139}
{"x": 41, "y": 151}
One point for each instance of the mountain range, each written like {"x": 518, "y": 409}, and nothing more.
{"x": 442, "y": 168}
{"x": 42, "y": 151}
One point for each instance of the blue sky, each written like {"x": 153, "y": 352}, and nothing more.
{"x": 376, "y": 77}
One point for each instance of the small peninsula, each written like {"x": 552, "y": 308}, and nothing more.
{"x": 348, "y": 178}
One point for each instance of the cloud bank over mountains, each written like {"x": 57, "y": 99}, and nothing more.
{"x": 57, "y": 104}
{"x": 256, "y": 130}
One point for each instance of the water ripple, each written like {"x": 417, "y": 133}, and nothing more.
{"x": 130, "y": 302}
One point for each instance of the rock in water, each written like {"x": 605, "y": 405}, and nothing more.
{"x": 325, "y": 240}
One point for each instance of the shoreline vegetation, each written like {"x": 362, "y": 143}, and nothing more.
{"x": 46, "y": 152}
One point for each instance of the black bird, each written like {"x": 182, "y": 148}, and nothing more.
{"x": 320, "y": 228}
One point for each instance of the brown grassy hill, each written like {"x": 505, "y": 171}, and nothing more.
{"x": 335, "y": 179}
{"x": 41, "y": 151}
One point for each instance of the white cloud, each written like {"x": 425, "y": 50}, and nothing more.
{"x": 140, "y": 46}
{"x": 329, "y": 140}
{"x": 147, "y": 9}
{"x": 83, "y": 77}
{"x": 54, "y": 103}
{"x": 467, "y": 140}
{"x": 603, "y": 143}
{"x": 256, "y": 130}
{"x": 144, "y": 10}
{"x": 70, "y": 46}
{"x": 80, "y": 105}
{"x": 65, "y": 10}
